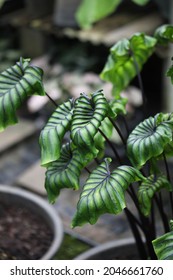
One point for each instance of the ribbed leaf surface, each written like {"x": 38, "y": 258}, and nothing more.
{"x": 16, "y": 84}
{"x": 163, "y": 246}
{"x": 52, "y": 135}
{"x": 104, "y": 192}
{"x": 147, "y": 190}
{"x": 149, "y": 139}
{"x": 126, "y": 57}
{"x": 99, "y": 141}
{"x": 63, "y": 173}
{"x": 87, "y": 117}
{"x": 164, "y": 34}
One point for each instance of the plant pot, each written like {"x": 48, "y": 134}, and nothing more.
{"x": 39, "y": 219}
{"x": 124, "y": 249}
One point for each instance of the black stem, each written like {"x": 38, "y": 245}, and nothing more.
{"x": 139, "y": 243}
{"x": 169, "y": 179}
{"x": 140, "y": 84}
{"x": 87, "y": 170}
{"x": 162, "y": 213}
{"x": 53, "y": 101}
{"x": 111, "y": 145}
{"x": 119, "y": 131}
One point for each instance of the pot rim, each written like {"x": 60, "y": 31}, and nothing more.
{"x": 105, "y": 246}
{"x": 57, "y": 226}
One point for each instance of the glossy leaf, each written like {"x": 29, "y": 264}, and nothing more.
{"x": 149, "y": 139}
{"x": 99, "y": 141}
{"x": 64, "y": 173}
{"x": 87, "y": 117}
{"x": 104, "y": 192}
{"x": 127, "y": 57}
{"x": 118, "y": 105}
{"x": 164, "y": 34}
{"x": 16, "y": 84}
{"x": 141, "y": 2}
{"x": 91, "y": 11}
{"x": 163, "y": 245}
{"x": 147, "y": 191}
{"x": 52, "y": 135}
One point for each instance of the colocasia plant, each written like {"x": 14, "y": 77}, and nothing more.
{"x": 88, "y": 122}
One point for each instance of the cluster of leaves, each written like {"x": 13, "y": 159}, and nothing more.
{"x": 91, "y": 11}
{"x": 77, "y": 131}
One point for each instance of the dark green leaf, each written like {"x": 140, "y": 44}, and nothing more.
{"x": 148, "y": 189}
{"x": 164, "y": 34}
{"x": 99, "y": 141}
{"x": 87, "y": 117}
{"x": 104, "y": 192}
{"x": 91, "y": 11}
{"x": 16, "y": 84}
{"x": 140, "y": 2}
{"x": 64, "y": 173}
{"x": 149, "y": 139}
{"x": 163, "y": 245}
{"x": 52, "y": 135}
{"x": 127, "y": 57}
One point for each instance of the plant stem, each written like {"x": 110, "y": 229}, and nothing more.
{"x": 111, "y": 145}
{"x": 162, "y": 214}
{"x": 139, "y": 243}
{"x": 87, "y": 170}
{"x": 119, "y": 131}
{"x": 169, "y": 179}
{"x": 140, "y": 83}
{"x": 53, "y": 101}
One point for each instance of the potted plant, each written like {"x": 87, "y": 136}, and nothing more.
{"x": 89, "y": 121}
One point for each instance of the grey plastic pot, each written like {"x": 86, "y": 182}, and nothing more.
{"x": 41, "y": 207}
{"x": 124, "y": 249}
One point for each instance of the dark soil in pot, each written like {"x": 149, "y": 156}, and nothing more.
{"x": 23, "y": 234}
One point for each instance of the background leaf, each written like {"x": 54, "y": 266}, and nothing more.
{"x": 104, "y": 192}
{"x": 141, "y": 2}
{"x": 148, "y": 189}
{"x": 52, "y": 135}
{"x": 91, "y": 11}
{"x": 164, "y": 34}
{"x": 16, "y": 84}
{"x": 126, "y": 57}
{"x": 149, "y": 139}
